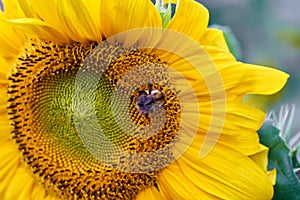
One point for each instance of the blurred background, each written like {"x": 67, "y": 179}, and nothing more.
{"x": 269, "y": 34}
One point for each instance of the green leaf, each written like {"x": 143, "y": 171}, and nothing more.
{"x": 295, "y": 161}
{"x": 232, "y": 42}
{"x": 165, "y": 13}
{"x": 287, "y": 185}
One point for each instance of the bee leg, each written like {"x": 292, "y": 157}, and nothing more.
{"x": 150, "y": 87}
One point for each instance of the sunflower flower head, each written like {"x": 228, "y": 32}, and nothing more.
{"x": 146, "y": 107}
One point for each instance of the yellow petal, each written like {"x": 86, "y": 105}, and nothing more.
{"x": 243, "y": 117}
{"x": 94, "y": 10}
{"x": 11, "y": 41}
{"x": 16, "y": 182}
{"x": 4, "y": 123}
{"x": 21, "y": 185}
{"x": 225, "y": 173}
{"x": 47, "y": 12}
{"x": 50, "y": 197}
{"x": 38, "y": 193}
{"x": 246, "y": 142}
{"x": 11, "y": 10}
{"x": 162, "y": 191}
{"x": 171, "y": 1}
{"x": 3, "y": 95}
{"x": 9, "y": 172}
{"x": 5, "y": 130}
{"x": 243, "y": 79}
{"x": 118, "y": 15}
{"x": 9, "y": 156}
{"x": 221, "y": 57}
{"x": 272, "y": 176}
{"x": 9, "y": 164}
{"x": 37, "y": 28}
{"x": 175, "y": 185}
{"x": 78, "y": 21}
{"x": 260, "y": 158}
{"x": 240, "y": 126}
{"x": 237, "y": 128}
{"x": 149, "y": 194}
{"x": 28, "y": 10}
{"x": 4, "y": 69}
{"x": 214, "y": 37}
{"x": 191, "y": 19}
{"x": 153, "y": 18}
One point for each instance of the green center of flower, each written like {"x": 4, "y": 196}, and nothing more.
{"x": 79, "y": 119}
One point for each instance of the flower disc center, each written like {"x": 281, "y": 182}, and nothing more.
{"x": 79, "y": 122}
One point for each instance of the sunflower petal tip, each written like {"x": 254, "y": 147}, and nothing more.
{"x": 272, "y": 176}
{"x": 281, "y": 78}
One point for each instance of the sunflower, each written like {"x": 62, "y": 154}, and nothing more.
{"x": 103, "y": 99}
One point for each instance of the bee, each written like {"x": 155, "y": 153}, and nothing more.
{"x": 147, "y": 99}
